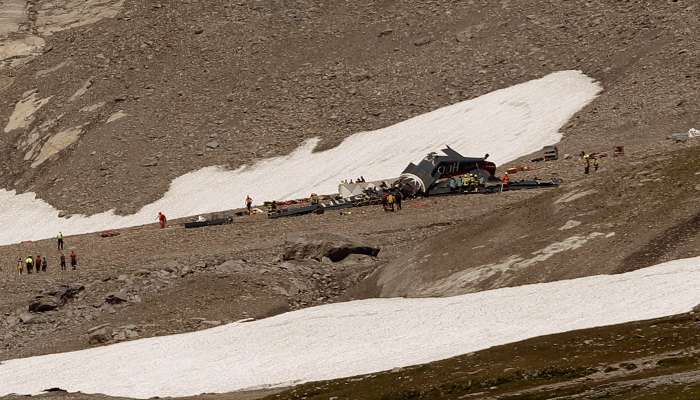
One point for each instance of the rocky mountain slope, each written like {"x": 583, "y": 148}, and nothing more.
{"x": 103, "y": 103}
{"x": 635, "y": 212}
{"x": 110, "y": 112}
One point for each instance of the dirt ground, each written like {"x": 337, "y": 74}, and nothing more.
{"x": 633, "y": 213}
{"x": 222, "y": 83}
{"x": 180, "y": 279}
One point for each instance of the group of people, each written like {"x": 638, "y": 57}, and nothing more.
{"x": 38, "y": 264}
{"x": 361, "y": 179}
{"x": 391, "y": 201}
{"x": 588, "y": 163}
{"x": 468, "y": 182}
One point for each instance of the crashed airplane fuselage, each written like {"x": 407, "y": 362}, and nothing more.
{"x": 431, "y": 175}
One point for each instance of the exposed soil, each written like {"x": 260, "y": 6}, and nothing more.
{"x": 258, "y": 77}
{"x": 177, "y": 280}
{"x": 636, "y": 211}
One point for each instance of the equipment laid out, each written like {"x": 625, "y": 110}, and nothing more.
{"x": 214, "y": 220}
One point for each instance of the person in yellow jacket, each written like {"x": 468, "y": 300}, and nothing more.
{"x": 29, "y": 262}
{"x": 390, "y": 200}
{"x": 587, "y": 162}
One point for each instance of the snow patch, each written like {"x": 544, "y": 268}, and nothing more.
{"x": 359, "y": 337}
{"x": 507, "y": 123}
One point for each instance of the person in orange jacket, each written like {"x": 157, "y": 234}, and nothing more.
{"x": 505, "y": 180}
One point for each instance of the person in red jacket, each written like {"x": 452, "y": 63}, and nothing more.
{"x": 162, "y": 219}
{"x": 73, "y": 259}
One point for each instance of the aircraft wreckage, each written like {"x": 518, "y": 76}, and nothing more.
{"x": 435, "y": 175}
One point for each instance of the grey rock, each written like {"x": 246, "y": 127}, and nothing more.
{"x": 54, "y": 299}
{"x": 422, "y": 41}
{"x": 100, "y": 336}
{"x": 230, "y": 267}
{"x": 43, "y": 304}
{"x": 131, "y": 334}
{"x": 213, "y": 144}
{"x": 116, "y": 298}
{"x": 97, "y": 328}
{"x": 12, "y": 321}
{"x": 317, "y": 246}
{"x": 28, "y": 318}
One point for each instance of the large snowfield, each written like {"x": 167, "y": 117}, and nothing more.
{"x": 345, "y": 339}
{"x": 507, "y": 124}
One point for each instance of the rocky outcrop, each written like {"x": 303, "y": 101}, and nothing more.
{"x": 325, "y": 245}
{"x": 51, "y": 300}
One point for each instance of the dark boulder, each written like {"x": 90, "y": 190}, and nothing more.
{"x": 43, "y": 304}
{"x": 51, "y": 300}
{"x": 317, "y": 246}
